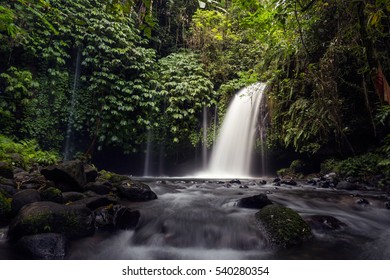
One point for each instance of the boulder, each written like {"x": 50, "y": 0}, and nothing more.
{"x": 5, "y": 209}
{"x": 69, "y": 172}
{"x": 125, "y": 218}
{"x": 235, "y": 181}
{"x": 52, "y": 194}
{"x": 282, "y": 226}
{"x": 49, "y": 217}
{"x": 254, "y": 202}
{"x": 91, "y": 173}
{"x": 23, "y": 198}
{"x": 344, "y": 185}
{"x": 8, "y": 182}
{"x": 6, "y": 170}
{"x": 136, "y": 191}
{"x": 290, "y": 182}
{"x": 324, "y": 223}
{"x": 7, "y": 190}
{"x": 45, "y": 246}
{"x": 72, "y": 196}
{"x": 99, "y": 187}
{"x": 96, "y": 202}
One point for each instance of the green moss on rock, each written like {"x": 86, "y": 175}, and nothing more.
{"x": 283, "y": 226}
{"x": 5, "y": 209}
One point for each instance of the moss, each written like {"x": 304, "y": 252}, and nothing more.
{"x": 283, "y": 226}
{"x": 112, "y": 177}
{"x": 5, "y": 208}
{"x": 52, "y": 194}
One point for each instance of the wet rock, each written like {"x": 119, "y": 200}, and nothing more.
{"x": 324, "y": 223}
{"x": 72, "y": 196}
{"x": 96, "y": 202}
{"x": 6, "y": 170}
{"x": 235, "y": 181}
{"x": 363, "y": 202}
{"x": 345, "y": 185}
{"x": 5, "y": 209}
{"x": 276, "y": 180}
{"x": 227, "y": 186}
{"x": 125, "y": 218}
{"x": 277, "y": 184}
{"x": 46, "y": 246}
{"x": 49, "y": 217}
{"x": 387, "y": 205}
{"x": 91, "y": 173}
{"x": 7, "y": 182}
{"x": 254, "y": 202}
{"x": 69, "y": 172}
{"x": 262, "y": 182}
{"x": 7, "y": 190}
{"x": 99, "y": 187}
{"x": 23, "y": 198}
{"x": 290, "y": 182}
{"x": 52, "y": 194}
{"x": 104, "y": 218}
{"x": 313, "y": 181}
{"x": 283, "y": 227}
{"x": 34, "y": 181}
{"x": 244, "y": 187}
{"x": 136, "y": 191}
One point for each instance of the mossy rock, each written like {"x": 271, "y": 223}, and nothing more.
{"x": 49, "y": 217}
{"x": 114, "y": 178}
{"x": 283, "y": 226}
{"x": 6, "y": 170}
{"x": 5, "y": 209}
{"x": 52, "y": 194}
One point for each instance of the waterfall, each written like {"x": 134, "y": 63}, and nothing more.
{"x": 204, "y": 141}
{"x": 234, "y": 148}
{"x": 68, "y": 152}
{"x": 148, "y": 155}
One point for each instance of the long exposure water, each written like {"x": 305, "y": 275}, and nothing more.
{"x": 200, "y": 220}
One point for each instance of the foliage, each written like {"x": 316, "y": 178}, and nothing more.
{"x": 185, "y": 90}
{"x": 25, "y": 153}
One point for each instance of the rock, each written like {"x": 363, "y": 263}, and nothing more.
{"x": 49, "y": 217}
{"x": 290, "y": 182}
{"x": 46, "y": 246}
{"x": 313, "y": 181}
{"x": 344, "y": 185}
{"x": 33, "y": 181}
{"x": 7, "y": 182}
{"x": 72, "y": 196}
{"x": 125, "y": 218}
{"x": 244, "y": 187}
{"x": 262, "y": 182}
{"x": 104, "y": 218}
{"x": 277, "y": 180}
{"x": 136, "y": 191}
{"x": 6, "y": 170}
{"x": 7, "y": 190}
{"x": 363, "y": 202}
{"x": 387, "y": 205}
{"x": 99, "y": 187}
{"x": 254, "y": 202}
{"x": 52, "y": 194}
{"x": 96, "y": 202}
{"x": 23, "y": 198}
{"x": 235, "y": 181}
{"x": 68, "y": 172}
{"x": 5, "y": 209}
{"x": 324, "y": 223}
{"x": 91, "y": 173}
{"x": 283, "y": 227}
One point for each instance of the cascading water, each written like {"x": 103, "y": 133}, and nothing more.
{"x": 233, "y": 150}
{"x": 69, "y": 131}
{"x": 148, "y": 154}
{"x": 204, "y": 142}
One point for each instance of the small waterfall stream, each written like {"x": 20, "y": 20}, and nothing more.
{"x": 68, "y": 151}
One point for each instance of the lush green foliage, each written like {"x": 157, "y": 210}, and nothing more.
{"x": 25, "y": 153}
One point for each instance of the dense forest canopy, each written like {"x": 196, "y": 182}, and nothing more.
{"x": 100, "y": 73}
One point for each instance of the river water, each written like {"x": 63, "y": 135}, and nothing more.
{"x": 200, "y": 220}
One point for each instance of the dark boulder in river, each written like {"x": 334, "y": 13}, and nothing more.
{"x": 283, "y": 227}
{"x": 45, "y": 246}
{"x": 136, "y": 191}
{"x": 255, "y": 202}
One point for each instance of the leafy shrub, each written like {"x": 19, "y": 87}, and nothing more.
{"x": 25, "y": 153}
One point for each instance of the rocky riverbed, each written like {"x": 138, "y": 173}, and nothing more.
{"x": 73, "y": 211}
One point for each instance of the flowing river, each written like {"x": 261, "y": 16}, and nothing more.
{"x": 195, "y": 219}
